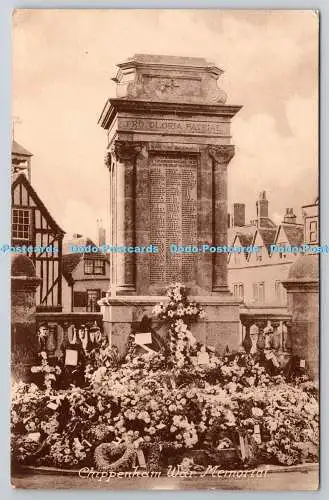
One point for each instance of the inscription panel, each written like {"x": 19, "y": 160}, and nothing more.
{"x": 161, "y": 86}
{"x": 184, "y": 127}
{"x": 173, "y": 211}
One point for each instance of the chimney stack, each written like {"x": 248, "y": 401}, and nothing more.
{"x": 101, "y": 233}
{"x": 290, "y": 217}
{"x": 261, "y": 207}
{"x": 239, "y": 214}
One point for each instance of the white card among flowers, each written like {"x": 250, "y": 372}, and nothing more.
{"x": 143, "y": 338}
{"x": 71, "y": 357}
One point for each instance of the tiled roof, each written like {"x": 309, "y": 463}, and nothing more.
{"x": 295, "y": 234}
{"x": 245, "y": 239}
{"x": 268, "y": 236}
{"x": 17, "y": 149}
{"x": 70, "y": 262}
{"x": 267, "y": 223}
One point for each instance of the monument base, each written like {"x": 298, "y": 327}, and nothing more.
{"x": 219, "y": 329}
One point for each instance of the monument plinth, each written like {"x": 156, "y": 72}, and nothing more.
{"x": 169, "y": 147}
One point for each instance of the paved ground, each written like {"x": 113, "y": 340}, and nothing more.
{"x": 277, "y": 480}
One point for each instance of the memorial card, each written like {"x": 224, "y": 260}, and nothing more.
{"x": 165, "y": 209}
{"x": 71, "y": 357}
{"x": 143, "y": 338}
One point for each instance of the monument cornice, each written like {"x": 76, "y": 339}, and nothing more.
{"x": 116, "y": 105}
{"x": 166, "y": 62}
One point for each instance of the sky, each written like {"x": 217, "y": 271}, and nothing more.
{"x": 63, "y": 62}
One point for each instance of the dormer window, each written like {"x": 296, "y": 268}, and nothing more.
{"x": 259, "y": 255}
{"x": 21, "y": 224}
{"x": 94, "y": 266}
{"x": 283, "y": 255}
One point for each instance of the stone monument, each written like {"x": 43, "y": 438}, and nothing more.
{"x": 169, "y": 146}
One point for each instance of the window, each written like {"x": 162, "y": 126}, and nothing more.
{"x": 259, "y": 255}
{"x": 277, "y": 290}
{"x": 21, "y": 224}
{"x": 92, "y": 297}
{"x": 255, "y": 291}
{"x": 99, "y": 266}
{"x": 283, "y": 254}
{"x": 313, "y": 231}
{"x": 261, "y": 295}
{"x": 88, "y": 266}
{"x": 280, "y": 292}
{"x": 258, "y": 291}
{"x": 94, "y": 266}
{"x": 238, "y": 290}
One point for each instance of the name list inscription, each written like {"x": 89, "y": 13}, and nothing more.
{"x": 173, "y": 208}
{"x": 173, "y": 126}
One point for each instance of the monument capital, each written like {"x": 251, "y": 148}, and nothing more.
{"x": 123, "y": 151}
{"x": 222, "y": 154}
{"x": 108, "y": 159}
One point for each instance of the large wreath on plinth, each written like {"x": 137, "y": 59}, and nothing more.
{"x": 106, "y": 453}
{"x": 130, "y": 454}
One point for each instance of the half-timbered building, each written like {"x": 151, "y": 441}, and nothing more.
{"x": 34, "y": 227}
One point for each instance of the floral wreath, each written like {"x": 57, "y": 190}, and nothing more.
{"x": 107, "y": 451}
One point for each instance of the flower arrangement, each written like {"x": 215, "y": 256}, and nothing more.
{"x": 50, "y": 372}
{"x": 167, "y": 402}
{"x": 179, "y": 313}
{"x": 139, "y": 402}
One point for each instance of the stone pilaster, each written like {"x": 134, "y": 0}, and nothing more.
{"x": 221, "y": 156}
{"x": 205, "y": 222}
{"x": 142, "y": 226}
{"x": 123, "y": 204}
{"x": 109, "y": 162}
